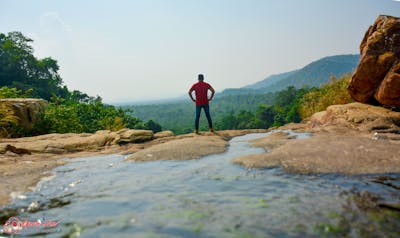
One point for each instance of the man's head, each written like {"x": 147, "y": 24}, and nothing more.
{"x": 201, "y": 77}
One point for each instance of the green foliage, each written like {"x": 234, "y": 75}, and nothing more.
{"x": 151, "y": 125}
{"x": 318, "y": 99}
{"x": 179, "y": 116}
{"x": 20, "y": 69}
{"x": 90, "y": 116}
{"x": 6, "y": 92}
{"x": 284, "y": 110}
{"x": 23, "y": 75}
{"x": 61, "y": 119}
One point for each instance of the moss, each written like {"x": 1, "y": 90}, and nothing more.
{"x": 262, "y": 203}
{"x": 326, "y": 229}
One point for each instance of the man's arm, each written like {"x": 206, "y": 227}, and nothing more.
{"x": 190, "y": 95}
{"x": 212, "y": 93}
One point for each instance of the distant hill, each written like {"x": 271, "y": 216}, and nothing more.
{"x": 270, "y": 80}
{"x": 177, "y": 115}
{"x": 312, "y": 75}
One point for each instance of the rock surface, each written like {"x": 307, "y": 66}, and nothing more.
{"x": 182, "y": 149}
{"x": 28, "y": 110}
{"x": 70, "y": 142}
{"x": 331, "y": 153}
{"x": 163, "y": 134}
{"x": 377, "y": 77}
{"x": 24, "y": 161}
{"x": 352, "y": 139}
{"x": 363, "y": 117}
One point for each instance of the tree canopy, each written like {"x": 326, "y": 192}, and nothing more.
{"x": 23, "y": 75}
{"x": 19, "y": 68}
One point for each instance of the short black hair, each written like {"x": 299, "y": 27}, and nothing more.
{"x": 201, "y": 77}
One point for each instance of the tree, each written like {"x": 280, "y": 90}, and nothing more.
{"x": 264, "y": 116}
{"x": 68, "y": 111}
{"x": 151, "y": 125}
{"x": 19, "y": 68}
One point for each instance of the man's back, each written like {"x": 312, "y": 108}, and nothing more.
{"x": 201, "y": 91}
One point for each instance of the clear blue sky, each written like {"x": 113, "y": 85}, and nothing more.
{"x": 131, "y": 50}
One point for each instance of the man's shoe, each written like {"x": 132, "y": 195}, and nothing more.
{"x": 211, "y": 130}
{"x": 196, "y": 131}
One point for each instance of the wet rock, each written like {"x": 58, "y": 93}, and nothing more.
{"x": 229, "y": 134}
{"x": 354, "y": 138}
{"x": 272, "y": 141}
{"x": 182, "y": 149}
{"x": 377, "y": 77}
{"x": 330, "y": 153}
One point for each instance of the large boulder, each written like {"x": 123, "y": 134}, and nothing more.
{"x": 358, "y": 116}
{"x": 377, "y": 77}
{"x": 27, "y": 110}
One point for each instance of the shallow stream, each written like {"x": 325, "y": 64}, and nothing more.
{"x": 106, "y": 196}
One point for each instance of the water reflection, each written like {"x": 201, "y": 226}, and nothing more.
{"x": 106, "y": 196}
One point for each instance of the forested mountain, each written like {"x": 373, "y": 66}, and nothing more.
{"x": 270, "y": 80}
{"x": 256, "y": 99}
{"x": 312, "y": 75}
{"x": 318, "y": 72}
{"x": 179, "y": 116}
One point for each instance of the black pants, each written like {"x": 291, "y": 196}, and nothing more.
{"x": 206, "y": 111}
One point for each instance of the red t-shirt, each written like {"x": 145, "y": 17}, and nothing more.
{"x": 201, "y": 92}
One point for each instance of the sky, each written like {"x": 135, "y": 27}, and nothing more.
{"x": 138, "y": 50}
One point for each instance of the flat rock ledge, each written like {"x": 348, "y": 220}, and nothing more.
{"x": 24, "y": 161}
{"x": 349, "y": 139}
{"x": 70, "y": 142}
{"x": 182, "y": 149}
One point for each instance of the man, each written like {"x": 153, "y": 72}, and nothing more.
{"x": 202, "y": 101}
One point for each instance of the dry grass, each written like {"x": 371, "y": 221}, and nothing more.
{"x": 333, "y": 93}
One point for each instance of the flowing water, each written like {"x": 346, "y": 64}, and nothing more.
{"x": 106, "y": 196}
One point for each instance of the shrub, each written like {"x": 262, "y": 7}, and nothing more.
{"x": 91, "y": 116}
{"x": 8, "y": 121}
{"x": 6, "y": 92}
{"x": 318, "y": 99}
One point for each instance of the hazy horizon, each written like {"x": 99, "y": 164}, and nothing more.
{"x": 131, "y": 51}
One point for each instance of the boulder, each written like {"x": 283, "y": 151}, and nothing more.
{"x": 377, "y": 77}
{"x": 28, "y": 110}
{"x": 358, "y": 116}
{"x": 163, "y": 134}
{"x": 126, "y": 135}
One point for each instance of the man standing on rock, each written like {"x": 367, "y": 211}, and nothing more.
{"x": 202, "y": 101}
